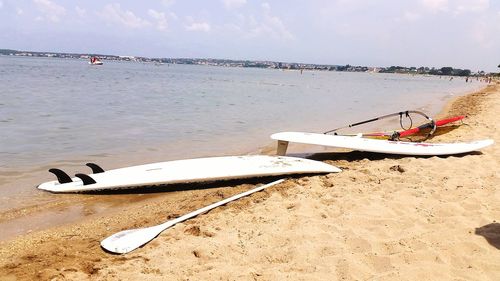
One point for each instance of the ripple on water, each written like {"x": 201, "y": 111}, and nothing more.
{"x": 95, "y": 110}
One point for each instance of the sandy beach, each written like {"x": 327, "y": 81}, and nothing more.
{"x": 382, "y": 218}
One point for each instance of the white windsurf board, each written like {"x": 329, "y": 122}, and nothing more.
{"x": 192, "y": 170}
{"x": 380, "y": 146}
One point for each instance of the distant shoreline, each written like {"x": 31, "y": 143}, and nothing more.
{"x": 422, "y": 70}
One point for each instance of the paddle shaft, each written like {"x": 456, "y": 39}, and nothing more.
{"x": 220, "y": 203}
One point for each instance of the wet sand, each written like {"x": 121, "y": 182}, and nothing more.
{"x": 383, "y": 217}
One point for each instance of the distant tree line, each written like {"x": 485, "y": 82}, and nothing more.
{"x": 449, "y": 71}
{"x": 425, "y": 70}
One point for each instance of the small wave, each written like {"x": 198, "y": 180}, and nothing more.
{"x": 101, "y": 155}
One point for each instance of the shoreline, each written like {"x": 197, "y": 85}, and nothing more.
{"x": 18, "y": 185}
{"x": 55, "y": 257}
{"x": 56, "y": 212}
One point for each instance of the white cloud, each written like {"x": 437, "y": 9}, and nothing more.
{"x": 198, "y": 26}
{"x": 50, "y": 10}
{"x": 483, "y": 27}
{"x": 233, "y": 4}
{"x": 113, "y": 13}
{"x": 262, "y": 25}
{"x": 471, "y": 6}
{"x": 266, "y": 7}
{"x": 251, "y": 20}
{"x": 435, "y": 5}
{"x": 481, "y": 34}
{"x": 457, "y": 7}
{"x": 1, "y": 4}
{"x": 231, "y": 27}
{"x": 270, "y": 25}
{"x": 160, "y": 18}
{"x": 411, "y": 16}
{"x": 19, "y": 11}
{"x": 80, "y": 12}
{"x": 194, "y": 25}
{"x": 173, "y": 16}
{"x": 167, "y": 3}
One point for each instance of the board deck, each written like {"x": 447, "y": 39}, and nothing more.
{"x": 376, "y": 145}
{"x": 192, "y": 170}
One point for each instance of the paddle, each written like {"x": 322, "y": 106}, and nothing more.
{"x": 128, "y": 240}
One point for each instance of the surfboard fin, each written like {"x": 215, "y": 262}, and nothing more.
{"x": 95, "y": 168}
{"x": 62, "y": 177}
{"x": 86, "y": 179}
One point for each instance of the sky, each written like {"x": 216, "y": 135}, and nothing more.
{"x": 433, "y": 33}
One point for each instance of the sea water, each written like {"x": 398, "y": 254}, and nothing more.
{"x": 64, "y": 112}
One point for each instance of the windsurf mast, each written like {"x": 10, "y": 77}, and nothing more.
{"x": 426, "y": 126}
{"x": 431, "y": 124}
{"x": 406, "y": 133}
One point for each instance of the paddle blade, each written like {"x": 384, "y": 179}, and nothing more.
{"x": 129, "y": 240}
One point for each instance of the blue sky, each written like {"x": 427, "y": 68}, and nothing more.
{"x": 458, "y": 33}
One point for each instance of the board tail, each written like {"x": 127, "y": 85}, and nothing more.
{"x": 62, "y": 177}
{"x": 86, "y": 179}
{"x": 95, "y": 168}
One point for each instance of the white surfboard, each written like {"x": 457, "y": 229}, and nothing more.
{"x": 189, "y": 171}
{"x": 380, "y": 146}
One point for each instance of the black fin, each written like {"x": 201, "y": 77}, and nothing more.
{"x": 95, "y": 168}
{"x": 86, "y": 179}
{"x": 62, "y": 177}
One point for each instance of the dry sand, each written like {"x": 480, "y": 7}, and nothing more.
{"x": 382, "y": 218}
